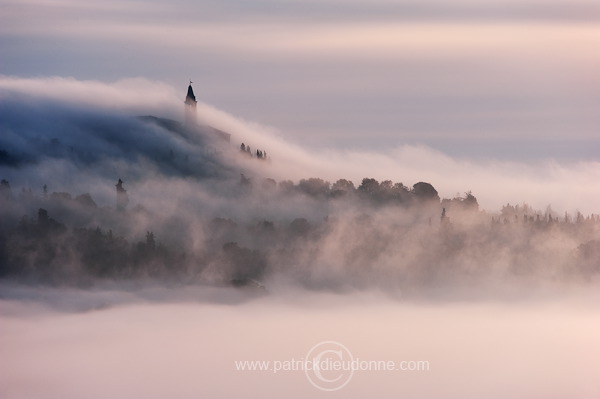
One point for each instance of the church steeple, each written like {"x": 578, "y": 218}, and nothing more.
{"x": 190, "y": 107}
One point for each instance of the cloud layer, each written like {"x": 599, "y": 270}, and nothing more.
{"x": 371, "y": 74}
{"x": 60, "y": 103}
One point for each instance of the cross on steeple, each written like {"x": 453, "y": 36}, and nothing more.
{"x": 190, "y": 106}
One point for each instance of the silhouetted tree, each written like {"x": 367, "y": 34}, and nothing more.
{"x": 369, "y": 187}
{"x": 425, "y": 192}
{"x": 314, "y": 187}
{"x": 384, "y": 192}
{"x": 47, "y": 225}
{"x": 401, "y": 193}
{"x": 122, "y": 197}
{"x": 243, "y": 264}
{"x": 42, "y": 217}
{"x": 342, "y": 187}
{"x": 470, "y": 202}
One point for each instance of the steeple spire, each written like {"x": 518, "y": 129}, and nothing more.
{"x": 190, "y": 94}
{"x": 190, "y": 106}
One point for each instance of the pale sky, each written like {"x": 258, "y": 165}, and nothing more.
{"x": 487, "y": 78}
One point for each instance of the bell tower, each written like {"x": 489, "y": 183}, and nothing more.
{"x": 190, "y": 107}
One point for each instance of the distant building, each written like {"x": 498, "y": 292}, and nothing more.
{"x": 191, "y": 118}
{"x": 190, "y": 107}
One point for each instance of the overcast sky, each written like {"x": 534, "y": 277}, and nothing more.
{"x": 485, "y": 78}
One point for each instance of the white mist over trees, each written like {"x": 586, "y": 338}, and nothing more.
{"x": 92, "y": 192}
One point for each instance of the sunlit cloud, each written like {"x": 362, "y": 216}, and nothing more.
{"x": 124, "y": 95}
{"x": 402, "y": 72}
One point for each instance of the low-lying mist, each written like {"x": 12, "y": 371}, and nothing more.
{"x": 185, "y": 343}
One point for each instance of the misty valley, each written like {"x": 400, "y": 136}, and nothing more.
{"x": 146, "y": 255}
{"x": 196, "y": 208}
{"x": 322, "y": 199}
{"x": 322, "y": 236}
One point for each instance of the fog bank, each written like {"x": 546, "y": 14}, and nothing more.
{"x": 524, "y": 349}
{"x": 41, "y": 108}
